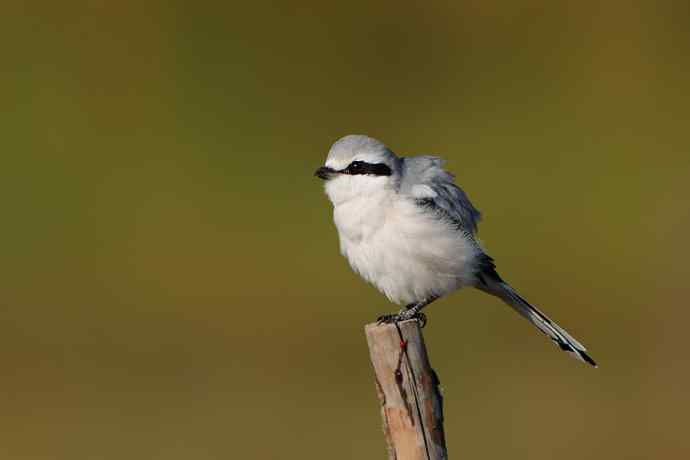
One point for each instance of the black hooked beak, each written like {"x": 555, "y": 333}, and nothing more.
{"x": 325, "y": 173}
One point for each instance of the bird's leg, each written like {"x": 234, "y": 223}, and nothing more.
{"x": 390, "y": 318}
{"x": 413, "y": 310}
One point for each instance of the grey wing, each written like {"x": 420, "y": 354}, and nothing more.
{"x": 425, "y": 181}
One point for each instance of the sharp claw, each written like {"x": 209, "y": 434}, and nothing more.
{"x": 402, "y": 316}
{"x": 421, "y": 317}
{"x": 394, "y": 318}
{"x": 387, "y": 319}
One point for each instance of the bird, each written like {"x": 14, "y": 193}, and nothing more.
{"x": 410, "y": 231}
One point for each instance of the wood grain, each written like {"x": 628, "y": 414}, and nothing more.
{"x": 408, "y": 390}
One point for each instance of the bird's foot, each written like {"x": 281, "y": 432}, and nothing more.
{"x": 403, "y": 315}
{"x": 388, "y": 319}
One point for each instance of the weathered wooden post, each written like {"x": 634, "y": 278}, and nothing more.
{"x": 408, "y": 389}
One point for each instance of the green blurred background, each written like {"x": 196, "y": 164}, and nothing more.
{"x": 171, "y": 286}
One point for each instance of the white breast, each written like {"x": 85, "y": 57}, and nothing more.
{"x": 406, "y": 252}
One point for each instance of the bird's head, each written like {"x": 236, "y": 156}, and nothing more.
{"x": 358, "y": 165}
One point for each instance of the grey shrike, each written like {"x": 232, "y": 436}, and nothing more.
{"x": 406, "y": 228}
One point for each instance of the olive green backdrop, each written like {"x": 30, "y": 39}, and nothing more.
{"x": 170, "y": 282}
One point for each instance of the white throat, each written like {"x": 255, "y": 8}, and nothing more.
{"x": 343, "y": 189}
{"x": 360, "y": 205}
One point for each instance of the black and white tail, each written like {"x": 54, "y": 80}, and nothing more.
{"x": 490, "y": 282}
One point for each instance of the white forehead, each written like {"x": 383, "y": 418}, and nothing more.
{"x": 357, "y": 147}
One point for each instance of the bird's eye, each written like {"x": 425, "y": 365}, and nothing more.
{"x": 355, "y": 167}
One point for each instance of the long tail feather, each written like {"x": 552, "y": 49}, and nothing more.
{"x": 494, "y": 285}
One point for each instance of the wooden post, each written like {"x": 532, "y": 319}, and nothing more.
{"x": 408, "y": 389}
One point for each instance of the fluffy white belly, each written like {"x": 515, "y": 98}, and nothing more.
{"x": 408, "y": 253}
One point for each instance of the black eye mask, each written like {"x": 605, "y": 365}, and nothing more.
{"x": 368, "y": 169}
